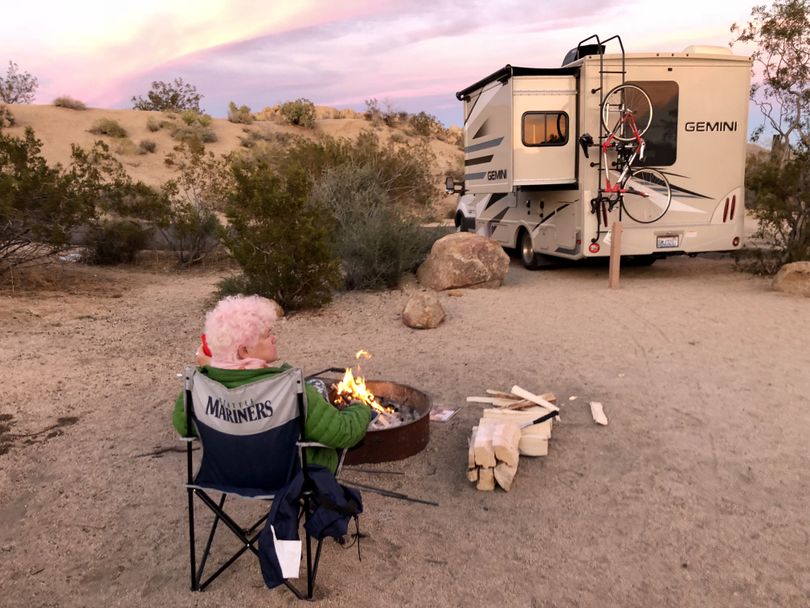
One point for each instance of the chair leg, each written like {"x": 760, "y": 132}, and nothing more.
{"x": 192, "y": 556}
{"x": 207, "y": 549}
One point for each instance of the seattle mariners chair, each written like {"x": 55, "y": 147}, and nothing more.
{"x": 252, "y": 447}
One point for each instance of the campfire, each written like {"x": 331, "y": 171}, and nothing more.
{"x": 353, "y": 388}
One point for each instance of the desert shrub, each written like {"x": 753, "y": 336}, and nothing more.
{"x": 6, "y": 117}
{"x": 16, "y": 86}
{"x": 239, "y": 115}
{"x": 280, "y": 240}
{"x": 146, "y": 146}
{"x": 424, "y": 124}
{"x": 194, "y": 130}
{"x": 173, "y": 96}
{"x": 125, "y": 147}
{"x": 192, "y": 198}
{"x": 41, "y": 207}
{"x": 108, "y": 127}
{"x": 65, "y": 101}
{"x": 779, "y": 198}
{"x": 115, "y": 241}
{"x": 300, "y": 112}
{"x": 376, "y": 241}
{"x": 153, "y": 124}
{"x": 372, "y": 113}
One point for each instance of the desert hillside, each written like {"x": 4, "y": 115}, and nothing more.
{"x": 59, "y": 127}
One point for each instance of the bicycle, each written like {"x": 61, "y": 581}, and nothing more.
{"x": 643, "y": 194}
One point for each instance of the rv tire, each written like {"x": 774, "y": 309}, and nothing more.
{"x": 526, "y": 249}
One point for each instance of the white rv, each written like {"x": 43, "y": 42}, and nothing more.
{"x": 532, "y": 181}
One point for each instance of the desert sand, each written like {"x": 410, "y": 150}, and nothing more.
{"x": 694, "y": 495}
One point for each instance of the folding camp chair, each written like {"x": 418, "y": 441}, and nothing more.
{"x": 252, "y": 447}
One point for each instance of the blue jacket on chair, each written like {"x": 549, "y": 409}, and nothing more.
{"x": 331, "y": 507}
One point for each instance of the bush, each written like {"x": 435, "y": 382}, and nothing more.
{"x": 115, "y": 241}
{"x": 126, "y": 147}
{"x": 146, "y": 146}
{"x": 300, "y": 112}
{"x": 153, "y": 124}
{"x": 425, "y": 125}
{"x": 376, "y": 241}
{"x": 6, "y": 118}
{"x": 240, "y": 115}
{"x": 194, "y": 130}
{"x": 279, "y": 239}
{"x": 201, "y": 188}
{"x": 108, "y": 127}
{"x": 780, "y": 201}
{"x": 41, "y": 207}
{"x": 68, "y": 102}
{"x": 17, "y": 87}
{"x": 175, "y": 96}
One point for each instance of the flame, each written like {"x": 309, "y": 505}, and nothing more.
{"x": 353, "y": 388}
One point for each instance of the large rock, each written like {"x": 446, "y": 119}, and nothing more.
{"x": 464, "y": 259}
{"x": 423, "y": 311}
{"x": 793, "y": 278}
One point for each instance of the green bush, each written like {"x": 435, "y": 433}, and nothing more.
{"x": 239, "y": 115}
{"x": 300, "y": 112}
{"x": 424, "y": 124}
{"x": 280, "y": 240}
{"x": 108, "y": 127}
{"x": 153, "y": 124}
{"x": 194, "y": 130}
{"x": 146, "y": 146}
{"x": 173, "y": 96}
{"x": 115, "y": 241}
{"x": 68, "y": 102}
{"x": 6, "y": 117}
{"x": 376, "y": 241}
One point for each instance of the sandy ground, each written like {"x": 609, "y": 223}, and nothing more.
{"x": 694, "y": 495}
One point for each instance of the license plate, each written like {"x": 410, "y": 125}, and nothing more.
{"x": 668, "y": 241}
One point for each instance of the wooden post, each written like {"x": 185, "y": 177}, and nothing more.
{"x": 615, "y": 255}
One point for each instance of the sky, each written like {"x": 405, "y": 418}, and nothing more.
{"x": 414, "y": 54}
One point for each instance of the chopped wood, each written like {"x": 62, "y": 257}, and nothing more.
{"x": 505, "y": 442}
{"x": 472, "y": 474}
{"x": 598, "y": 413}
{"x": 496, "y": 401}
{"x": 471, "y": 450}
{"x": 482, "y": 446}
{"x": 521, "y": 392}
{"x": 505, "y": 474}
{"x": 486, "y": 479}
{"x": 520, "y": 405}
{"x": 533, "y": 445}
{"x": 501, "y": 394}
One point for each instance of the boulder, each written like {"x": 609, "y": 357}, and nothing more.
{"x": 464, "y": 259}
{"x": 793, "y": 278}
{"x": 423, "y": 311}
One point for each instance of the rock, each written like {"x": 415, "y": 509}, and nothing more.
{"x": 793, "y": 278}
{"x": 423, "y": 311}
{"x": 464, "y": 259}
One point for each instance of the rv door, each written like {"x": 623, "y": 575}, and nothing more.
{"x": 544, "y": 130}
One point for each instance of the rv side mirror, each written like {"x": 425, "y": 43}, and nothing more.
{"x": 586, "y": 141}
{"x": 450, "y": 184}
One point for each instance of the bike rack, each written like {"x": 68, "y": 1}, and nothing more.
{"x": 597, "y": 204}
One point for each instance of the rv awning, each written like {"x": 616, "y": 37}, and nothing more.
{"x": 506, "y": 72}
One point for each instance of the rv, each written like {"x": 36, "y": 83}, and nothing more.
{"x": 537, "y": 177}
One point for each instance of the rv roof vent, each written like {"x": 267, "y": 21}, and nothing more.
{"x": 704, "y": 49}
{"x": 581, "y": 51}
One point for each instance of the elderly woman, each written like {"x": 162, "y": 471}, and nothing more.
{"x": 239, "y": 338}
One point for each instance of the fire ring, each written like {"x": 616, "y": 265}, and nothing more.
{"x": 397, "y": 442}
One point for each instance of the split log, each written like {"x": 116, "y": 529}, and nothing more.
{"x": 486, "y": 479}
{"x": 505, "y": 441}
{"x": 598, "y": 414}
{"x": 472, "y": 475}
{"x": 534, "y": 438}
{"x": 482, "y": 447}
{"x": 496, "y": 401}
{"x": 521, "y": 392}
{"x": 505, "y": 474}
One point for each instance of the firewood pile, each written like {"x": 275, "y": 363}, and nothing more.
{"x": 518, "y": 424}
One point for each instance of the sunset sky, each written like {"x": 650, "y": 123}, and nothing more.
{"x": 416, "y": 54}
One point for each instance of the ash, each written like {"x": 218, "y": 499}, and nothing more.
{"x": 403, "y": 415}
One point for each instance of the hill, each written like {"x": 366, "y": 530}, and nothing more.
{"x": 59, "y": 127}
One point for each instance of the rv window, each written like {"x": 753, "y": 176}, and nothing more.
{"x": 662, "y": 136}
{"x": 545, "y": 129}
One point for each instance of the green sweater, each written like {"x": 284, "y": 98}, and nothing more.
{"x": 325, "y": 423}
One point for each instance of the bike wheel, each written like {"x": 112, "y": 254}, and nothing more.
{"x": 621, "y": 100}
{"x": 648, "y": 196}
